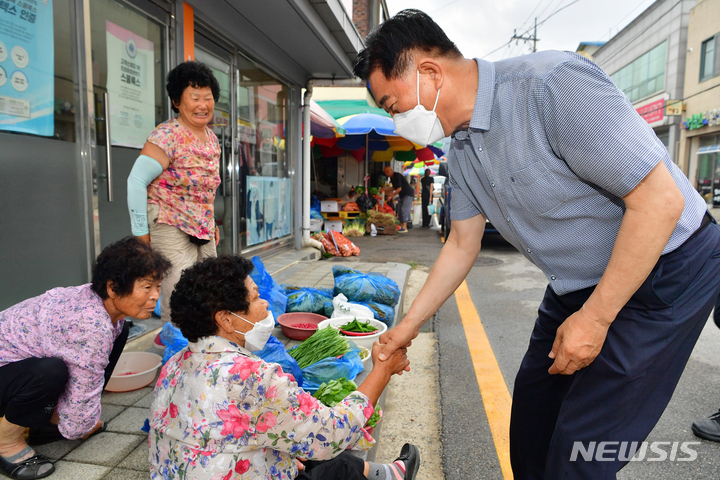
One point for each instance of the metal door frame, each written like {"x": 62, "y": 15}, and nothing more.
{"x": 87, "y": 121}
{"x": 217, "y": 45}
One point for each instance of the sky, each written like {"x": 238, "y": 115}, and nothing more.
{"x": 480, "y": 26}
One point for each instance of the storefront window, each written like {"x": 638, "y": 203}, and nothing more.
{"x": 644, "y": 76}
{"x": 265, "y": 183}
{"x": 708, "y": 173}
{"x": 37, "y": 75}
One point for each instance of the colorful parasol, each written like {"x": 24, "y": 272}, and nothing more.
{"x": 372, "y": 136}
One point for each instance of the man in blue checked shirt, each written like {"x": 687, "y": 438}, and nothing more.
{"x": 554, "y": 155}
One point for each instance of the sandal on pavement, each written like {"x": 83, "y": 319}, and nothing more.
{"x": 28, "y": 469}
{"x": 50, "y": 433}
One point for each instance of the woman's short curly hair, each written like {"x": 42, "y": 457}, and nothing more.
{"x": 208, "y": 287}
{"x": 125, "y": 261}
{"x": 190, "y": 74}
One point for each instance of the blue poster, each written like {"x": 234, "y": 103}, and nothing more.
{"x": 27, "y": 65}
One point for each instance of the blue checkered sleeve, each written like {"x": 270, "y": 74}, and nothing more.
{"x": 594, "y": 128}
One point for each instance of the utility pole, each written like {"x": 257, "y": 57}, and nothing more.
{"x": 533, "y": 39}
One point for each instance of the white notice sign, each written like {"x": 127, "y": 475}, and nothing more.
{"x": 131, "y": 86}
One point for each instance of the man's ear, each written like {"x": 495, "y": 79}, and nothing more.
{"x": 224, "y": 322}
{"x": 431, "y": 67}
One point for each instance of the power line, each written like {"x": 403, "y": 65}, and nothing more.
{"x": 627, "y": 15}
{"x": 440, "y": 8}
{"x": 531, "y": 13}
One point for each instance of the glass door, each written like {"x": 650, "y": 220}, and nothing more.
{"x": 129, "y": 58}
{"x": 222, "y": 67}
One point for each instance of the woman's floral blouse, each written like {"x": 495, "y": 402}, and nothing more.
{"x": 185, "y": 191}
{"x": 71, "y": 324}
{"x": 222, "y": 413}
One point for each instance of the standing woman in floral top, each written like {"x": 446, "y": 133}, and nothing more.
{"x": 171, "y": 188}
{"x": 222, "y": 413}
{"x": 58, "y": 350}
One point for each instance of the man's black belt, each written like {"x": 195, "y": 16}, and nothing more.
{"x": 707, "y": 220}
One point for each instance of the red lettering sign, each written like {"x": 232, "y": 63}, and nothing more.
{"x": 652, "y": 112}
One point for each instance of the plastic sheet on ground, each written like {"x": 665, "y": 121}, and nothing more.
{"x": 268, "y": 288}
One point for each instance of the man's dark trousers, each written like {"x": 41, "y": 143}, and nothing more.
{"x": 622, "y": 394}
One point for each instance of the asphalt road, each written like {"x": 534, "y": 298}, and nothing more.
{"x": 506, "y": 290}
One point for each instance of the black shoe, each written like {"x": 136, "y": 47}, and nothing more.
{"x": 410, "y": 456}
{"x": 28, "y": 469}
{"x": 709, "y": 429}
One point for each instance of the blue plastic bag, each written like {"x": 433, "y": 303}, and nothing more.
{"x": 173, "y": 339}
{"x": 348, "y": 366}
{"x": 329, "y": 309}
{"x": 274, "y": 352}
{"x": 384, "y": 313}
{"x": 362, "y": 287}
{"x": 268, "y": 288}
{"x": 302, "y": 299}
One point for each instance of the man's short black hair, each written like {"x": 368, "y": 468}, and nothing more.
{"x": 390, "y": 44}
{"x": 125, "y": 261}
{"x": 208, "y": 287}
{"x": 190, "y": 74}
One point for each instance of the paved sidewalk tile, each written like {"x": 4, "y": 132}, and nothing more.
{"x": 57, "y": 450}
{"x": 110, "y": 411}
{"x": 125, "y": 398}
{"x": 130, "y": 421}
{"x": 146, "y": 401}
{"x": 106, "y": 449}
{"x": 76, "y": 471}
{"x": 124, "y": 474}
{"x": 138, "y": 459}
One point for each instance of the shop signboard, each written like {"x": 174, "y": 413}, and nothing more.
{"x": 27, "y": 65}
{"x": 652, "y": 112}
{"x": 131, "y": 86}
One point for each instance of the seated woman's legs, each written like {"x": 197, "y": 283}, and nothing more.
{"x": 29, "y": 390}
{"x": 349, "y": 467}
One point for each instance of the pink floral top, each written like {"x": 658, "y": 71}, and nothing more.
{"x": 222, "y": 413}
{"x": 185, "y": 191}
{"x": 70, "y": 324}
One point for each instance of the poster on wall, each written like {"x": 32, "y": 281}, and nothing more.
{"x": 271, "y": 207}
{"x": 27, "y": 66}
{"x": 131, "y": 86}
{"x": 255, "y": 219}
{"x": 285, "y": 207}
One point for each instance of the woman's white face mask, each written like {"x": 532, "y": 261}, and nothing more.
{"x": 258, "y": 336}
{"x": 418, "y": 125}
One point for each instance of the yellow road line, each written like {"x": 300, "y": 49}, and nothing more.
{"x": 494, "y": 391}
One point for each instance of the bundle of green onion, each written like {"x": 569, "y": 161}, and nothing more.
{"x": 324, "y": 343}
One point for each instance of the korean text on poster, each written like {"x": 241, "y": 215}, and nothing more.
{"x": 131, "y": 86}
{"x": 27, "y": 63}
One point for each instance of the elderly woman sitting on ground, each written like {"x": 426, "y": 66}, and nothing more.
{"x": 222, "y": 413}
{"x": 58, "y": 350}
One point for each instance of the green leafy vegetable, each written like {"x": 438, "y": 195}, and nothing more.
{"x": 359, "y": 327}
{"x": 335, "y": 391}
{"x": 324, "y": 343}
{"x": 375, "y": 417}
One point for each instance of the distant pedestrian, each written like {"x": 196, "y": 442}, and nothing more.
{"x": 426, "y": 196}
{"x": 548, "y": 149}
{"x": 407, "y": 195}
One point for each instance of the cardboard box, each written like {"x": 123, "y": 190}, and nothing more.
{"x": 332, "y": 205}
{"x": 315, "y": 224}
{"x": 334, "y": 225}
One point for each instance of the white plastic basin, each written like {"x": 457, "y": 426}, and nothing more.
{"x": 133, "y": 371}
{"x": 365, "y": 341}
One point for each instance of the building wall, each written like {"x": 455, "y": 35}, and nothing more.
{"x": 361, "y": 16}
{"x": 663, "y": 20}
{"x": 699, "y": 96}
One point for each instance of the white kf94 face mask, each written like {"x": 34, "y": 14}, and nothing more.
{"x": 258, "y": 336}
{"x": 418, "y": 125}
